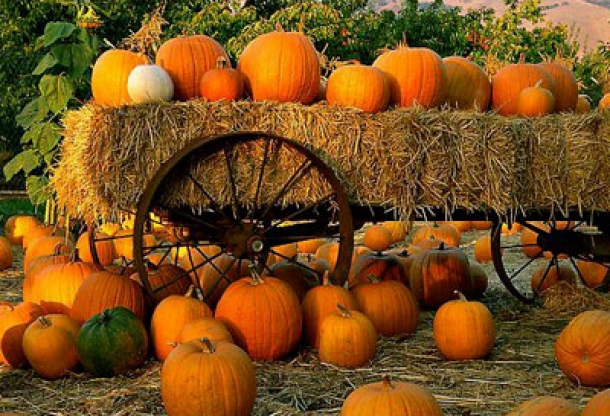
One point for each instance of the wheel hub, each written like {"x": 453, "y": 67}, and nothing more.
{"x": 245, "y": 241}
{"x": 560, "y": 242}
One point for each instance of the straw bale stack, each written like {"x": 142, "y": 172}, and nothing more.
{"x": 408, "y": 159}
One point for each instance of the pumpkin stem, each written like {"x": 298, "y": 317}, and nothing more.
{"x": 57, "y": 249}
{"x": 190, "y": 292}
{"x": 344, "y": 311}
{"x": 372, "y": 278}
{"x": 44, "y": 321}
{"x": 221, "y": 62}
{"x": 538, "y": 84}
{"x": 75, "y": 258}
{"x": 256, "y": 277}
{"x": 326, "y": 278}
{"x": 209, "y": 344}
{"x": 386, "y": 382}
{"x": 460, "y": 295}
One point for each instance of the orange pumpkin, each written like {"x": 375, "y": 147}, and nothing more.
{"x": 509, "y": 81}
{"x": 103, "y": 248}
{"x": 556, "y": 273}
{"x": 49, "y": 344}
{"x": 481, "y": 225}
{"x": 583, "y": 104}
{"x": 398, "y": 230}
{"x": 566, "y": 86}
{"x": 546, "y": 405}
{"x": 206, "y": 327}
{"x": 360, "y": 86}
{"x": 186, "y": 59}
{"x": 110, "y": 74}
{"x": 6, "y": 254}
{"x": 320, "y": 302}
{"x": 250, "y": 304}
{"x": 445, "y": 232}
{"x": 281, "y": 66}
{"x": 223, "y": 270}
{"x": 205, "y": 366}
{"x": 582, "y": 349}
{"x": 391, "y": 398}
{"x": 296, "y": 274}
{"x": 598, "y": 405}
{"x": 377, "y": 266}
{"x": 535, "y": 101}
{"x": 165, "y": 280}
{"x": 17, "y": 226}
{"x": 482, "y": 249}
{"x": 468, "y": 86}
{"x": 417, "y": 76}
{"x": 604, "y": 102}
{"x": 347, "y": 339}
{"x": 39, "y": 263}
{"x": 529, "y": 240}
{"x": 311, "y": 245}
{"x": 169, "y": 318}
{"x": 377, "y": 238}
{"x": 593, "y": 274}
{"x": 13, "y": 322}
{"x": 45, "y": 246}
{"x": 40, "y": 230}
{"x": 123, "y": 243}
{"x": 464, "y": 330}
{"x": 222, "y": 82}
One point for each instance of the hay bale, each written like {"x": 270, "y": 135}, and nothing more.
{"x": 407, "y": 159}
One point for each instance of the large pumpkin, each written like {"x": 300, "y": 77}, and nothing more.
{"x": 186, "y": 59}
{"x": 45, "y": 246}
{"x": 281, "y": 66}
{"x": 509, "y": 81}
{"x": 443, "y": 231}
{"x": 49, "y": 344}
{"x": 202, "y": 377}
{"x": 566, "y": 86}
{"x": 263, "y": 315}
{"x": 112, "y": 342}
{"x": 582, "y": 349}
{"x": 378, "y": 266}
{"x": 416, "y": 76}
{"x": 165, "y": 280}
{"x": 545, "y": 406}
{"x": 391, "y": 398}
{"x": 206, "y": 327}
{"x": 468, "y": 86}
{"x": 13, "y": 322}
{"x": 110, "y": 74}
{"x": 6, "y": 253}
{"x": 359, "y": 86}
{"x": 464, "y": 330}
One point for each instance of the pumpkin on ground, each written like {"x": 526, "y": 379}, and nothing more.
{"x": 298, "y": 275}
{"x": 169, "y": 318}
{"x": 444, "y": 232}
{"x": 394, "y": 398}
{"x": 200, "y": 366}
{"x": 482, "y": 249}
{"x": 149, "y": 84}
{"x": 263, "y": 315}
{"x": 281, "y": 66}
{"x": 206, "y": 327}
{"x": 398, "y": 230}
{"x": 222, "y": 82}
{"x": 593, "y": 274}
{"x": 103, "y": 248}
{"x": 13, "y": 322}
{"x": 49, "y": 344}
{"x": 377, "y": 266}
{"x": 110, "y": 74}
{"x": 417, "y": 76}
{"x": 480, "y": 281}
{"x": 360, "y": 86}
{"x": 547, "y": 275}
{"x": 186, "y": 59}
{"x": 598, "y": 405}
{"x": 112, "y": 342}
{"x": 390, "y": 305}
{"x": 45, "y": 246}
{"x": 6, "y": 254}
{"x": 582, "y": 349}
{"x": 40, "y": 230}
{"x": 347, "y": 338}
{"x": 165, "y": 280}
{"x": 17, "y": 226}
{"x": 464, "y": 330}
{"x": 547, "y": 406}
{"x": 377, "y": 238}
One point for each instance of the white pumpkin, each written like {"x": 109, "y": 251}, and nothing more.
{"x": 149, "y": 83}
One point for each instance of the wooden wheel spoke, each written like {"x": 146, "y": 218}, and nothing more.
{"x": 169, "y": 283}
{"x": 534, "y": 228}
{"x": 223, "y": 275}
{"x": 546, "y": 272}
{"x": 212, "y": 202}
{"x": 301, "y": 211}
{"x": 523, "y": 267}
{"x": 513, "y": 246}
{"x": 192, "y": 217}
{"x": 259, "y": 182}
{"x": 229, "y": 149}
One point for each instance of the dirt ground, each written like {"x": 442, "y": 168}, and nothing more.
{"x": 521, "y": 366}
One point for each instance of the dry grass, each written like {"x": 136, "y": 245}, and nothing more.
{"x": 521, "y": 366}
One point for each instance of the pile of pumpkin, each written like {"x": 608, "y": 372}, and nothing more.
{"x": 101, "y": 319}
{"x": 285, "y": 67}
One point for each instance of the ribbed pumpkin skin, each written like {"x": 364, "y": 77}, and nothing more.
{"x": 464, "y": 330}
{"x": 110, "y": 73}
{"x": 169, "y": 318}
{"x": 390, "y": 305}
{"x": 598, "y": 405}
{"x": 378, "y": 266}
{"x": 583, "y": 104}
{"x": 445, "y": 232}
{"x": 263, "y": 315}
{"x": 359, "y": 86}
{"x": 186, "y": 59}
{"x": 192, "y": 372}
{"x": 222, "y": 83}
{"x": 281, "y": 66}
{"x": 509, "y": 81}
{"x": 535, "y": 101}
{"x": 565, "y": 274}
{"x": 593, "y": 273}
{"x": 49, "y": 343}
{"x": 45, "y": 246}
{"x": 112, "y": 343}
{"x": 17, "y": 226}
{"x": 106, "y": 290}
{"x": 6, "y": 253}
{"x": 206, "y": 327}
{"x": 320, "y": 302}
{"x": 416, "y": 76}
{"x": 546, "y": 406}
{"x": 468, "y": 87}
{"x": 13, "y": 323}
{"x": 566, "y": 86}
{"x": 582, "y": 349}
{"x": 391, "y": 398}
{"x": 347, "y": 339}
{"x": 103, "y": 248}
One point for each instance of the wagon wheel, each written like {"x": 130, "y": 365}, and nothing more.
{"x": 230, "y": 200}
{"x": 550, "y": 245}
{"x": 97, "y": 240}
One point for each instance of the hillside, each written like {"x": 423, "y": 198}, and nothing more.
{"x": 590, "y": 19}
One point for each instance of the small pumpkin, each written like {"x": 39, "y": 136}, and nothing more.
{"x": 545, "y": 405}
{"x": 398, "y": 230}
{"x": 112, "y": 342}
{"x": 535, "y": 101}
{"x": 49, "y": 344}
{"x": 13, "y": 322}
{"x": 598, "y": 405}
{"x": 45, "y": 246}
{"x": 222, "y": 82}
{"x": 444, "y": 232}
{"x": 464, "y": 330}
{"x": 377, "y": 238}
{"x": 347, "y": 339}
{"x": 387, "y": 397}
{"x": 482, "y": 249}
{"x": 149, "y": 83}
{"x": 205, "y": 366}
{"x": 593, "y": 274}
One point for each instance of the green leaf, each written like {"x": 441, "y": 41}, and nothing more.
{"x": 34, "y": 112}
{"x": 55, "y": 31}
{"x": 38, "y": 189}
{"x": 26, "y": 161}
{"x": 48, "y": 140}
{"x": 47, "y": 62}
{"x": 57, "y": 90}
{"x": 75, "y": 57}
{"x": 32, "y": 134}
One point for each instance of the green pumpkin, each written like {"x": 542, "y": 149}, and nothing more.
{"x": 112, "y": 342}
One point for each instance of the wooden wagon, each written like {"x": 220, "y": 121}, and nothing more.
{"x": 246, "y": 178}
